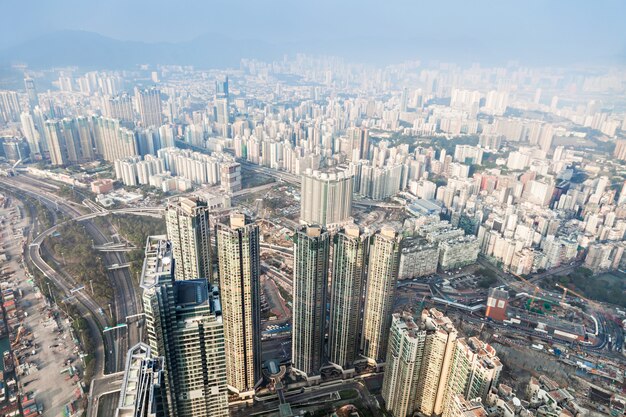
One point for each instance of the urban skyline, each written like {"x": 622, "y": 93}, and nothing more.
{"x": 350, "y": 209}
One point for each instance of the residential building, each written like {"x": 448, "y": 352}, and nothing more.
{"x": 349, "y": 267}
{"x": 187, "y": 222}
{"x": 382, "y": 276}
{"x": 238, "y": 270}
{"x": 311, "y": 249}
{"x": 326, "y": 198}
{"x": 184, "y": 325}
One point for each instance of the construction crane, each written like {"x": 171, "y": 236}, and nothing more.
{"x": 566, "y": 290}
{"x": 18, "y": 337}
{"x": 535, "y": 288}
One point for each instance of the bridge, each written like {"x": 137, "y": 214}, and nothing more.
{"x": 114, "y": 247}
{"x": 118, "y": 266}
{"x": 142, "y": 211}
{"x": 276, "y": 248}
{"x": 379, "y": 204}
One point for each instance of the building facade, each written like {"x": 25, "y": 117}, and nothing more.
{"x": 382, "y": 276}
{"x": 311, "y": 251}
{"x": 238, "y": 269}
{"x": 326, "y": 198}
{"x": 184, "y": 325}
{"x": 350, "y": 252}
{"x": 187, "y": 221}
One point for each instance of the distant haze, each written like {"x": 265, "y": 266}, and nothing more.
{"x": 560, "y": 32}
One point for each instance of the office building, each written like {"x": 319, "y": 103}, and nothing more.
{"x": 187, "y": 222}
{"x": 326, "y": 198}
{"x": 359, "y": 139}
{"x": 143, "y": 387}
{"x": 418, "y": 363}
{"x": 222, "y": 115}
{"x": 238, "y": 269}
{"x": 31, "y": 92}
{"x": 149, "y": 106}
{"x": 184, "y": 325}
{"x": 350, "y": 250}
{"x": 311, "y": 249}
{"x": 382, "y": 276}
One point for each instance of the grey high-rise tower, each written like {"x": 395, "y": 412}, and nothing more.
{"x": 238, "y": 259}
{"x": 187, "y": 221}
{"x": 382, "y": 276}
{"x": 311, "y": 250}
{"x": 184, "y": 325}
{"x": 31, "y": 92}
{"x": 350, "y": 251}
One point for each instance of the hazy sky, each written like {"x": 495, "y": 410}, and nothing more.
{"x": 517, "y": 27}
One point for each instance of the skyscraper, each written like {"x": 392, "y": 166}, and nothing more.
{"x": 222, "y": 115}
{"x": 311, "y": 250}
{"x": 418, "y": 363}
{"x": 143, "y": 387}
{"x": 31, "y": 92}
{"x": 360, "y": 142}
{"x": 187, "y": 222}
{"x": 30, "y": 132}
{"x": 238, "y": 259}
{"x": 382, "y": 275}
{"x": 350, "y": 251}
{"x": 149, "y": 106}
{"x": 326, "y": 198}
{"x": 9, "y": 107}
{"x": 184, "y": 325}
{"x": 55, "y": 140}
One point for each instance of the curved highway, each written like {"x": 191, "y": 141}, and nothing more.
{"x": 110, "y": 356}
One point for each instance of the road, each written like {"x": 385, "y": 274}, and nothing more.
{"x": 86, "y": 306}
{"x": 126, "y": 303}
{"x": 296, "y": 398}
{"x": 281, "y": 175}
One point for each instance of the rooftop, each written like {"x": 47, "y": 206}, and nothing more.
{"x": 158, "y": 262}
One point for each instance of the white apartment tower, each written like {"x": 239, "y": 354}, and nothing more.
{"x": 418, "y": 363}
{"x": 382, "y": 275}
{"x": 326, "y": 198}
